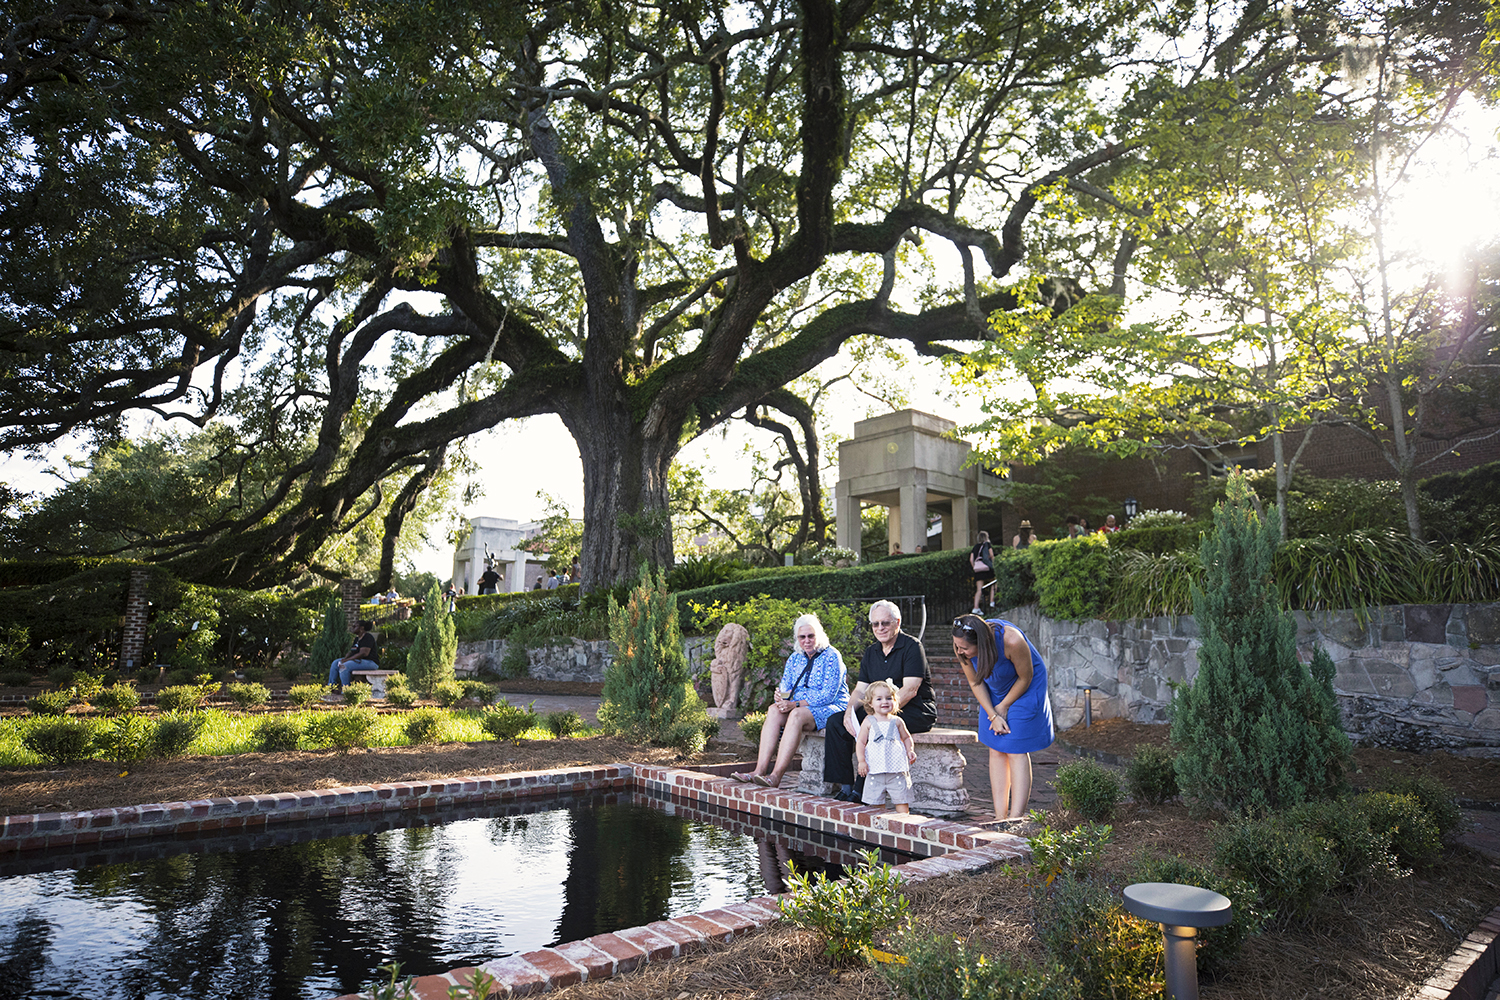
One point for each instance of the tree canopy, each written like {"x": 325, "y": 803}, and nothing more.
{"x": 373, "y": 229}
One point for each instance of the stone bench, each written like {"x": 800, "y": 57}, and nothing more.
{"x": 937, "y": 776}
{"x": 376, "y": 679}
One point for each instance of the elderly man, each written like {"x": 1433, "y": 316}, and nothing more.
{"x": 893, "y": 656}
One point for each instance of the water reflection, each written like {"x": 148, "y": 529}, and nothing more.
{"x": 316, "y": 918}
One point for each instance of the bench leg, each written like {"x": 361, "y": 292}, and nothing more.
{"x": 377, "y": 688}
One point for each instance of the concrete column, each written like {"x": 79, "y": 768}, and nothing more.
{"x": 137, "y": 610}
{"x": 893, "y": 527}
{"x": 846, "y": 518}
{"x": 351, "y": 591}
{"x": 913, "y": 514}
{"x": 960, "y": 526}
{"x": 515, "y": 574}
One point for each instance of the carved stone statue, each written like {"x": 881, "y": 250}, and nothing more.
{"x": 728, "y": 669}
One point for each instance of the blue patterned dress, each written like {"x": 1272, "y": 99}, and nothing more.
{"x": 826, "y": 686}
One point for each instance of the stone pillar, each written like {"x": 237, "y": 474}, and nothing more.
{"x": 137, "y": 609}
{"x": 960, "y": 526}
{"x": 846, "y": 517}
{"x": 515, "y": 573}
{"x": 912, "y": 515}
{"x": 352, "y": 593}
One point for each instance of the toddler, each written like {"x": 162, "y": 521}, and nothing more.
{"x": 885, "y": 749}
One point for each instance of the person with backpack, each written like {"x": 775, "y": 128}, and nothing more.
{"x": 982, "y": 563}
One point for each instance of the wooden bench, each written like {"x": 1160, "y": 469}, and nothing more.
{"x": 376, "y": 679}
{"x": 937, "y": 776}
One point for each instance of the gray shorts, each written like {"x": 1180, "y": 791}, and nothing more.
{"x": 895, "y": 783}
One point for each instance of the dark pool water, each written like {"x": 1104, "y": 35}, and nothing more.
{"x": 313, "y": 910}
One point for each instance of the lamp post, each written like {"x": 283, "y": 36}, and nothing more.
{"x": 1130, "y": 507}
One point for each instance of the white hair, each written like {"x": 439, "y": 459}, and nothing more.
{"x": 888, "y": 606}
{"x": 820, "y": 636}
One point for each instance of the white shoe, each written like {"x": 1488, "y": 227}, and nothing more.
{"x": 976, "y": 611}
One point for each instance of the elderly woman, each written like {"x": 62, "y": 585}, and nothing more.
{"x": 813, "y": 687}
{"x": 1009, "y": 680}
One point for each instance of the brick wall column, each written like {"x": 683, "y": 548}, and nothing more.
{"x": 137, "y": 607}
{"x": 352, "y": 593}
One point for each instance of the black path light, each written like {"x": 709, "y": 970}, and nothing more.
{"x": 1181, "y": 910}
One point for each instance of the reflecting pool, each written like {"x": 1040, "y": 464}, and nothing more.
{"x": 312, "y": 910}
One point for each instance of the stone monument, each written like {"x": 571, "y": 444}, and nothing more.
{"x": 728, "y": 670}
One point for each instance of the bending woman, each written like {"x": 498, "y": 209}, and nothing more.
{"x": 1009, "y": 680}
{"x": 813, "y": 687}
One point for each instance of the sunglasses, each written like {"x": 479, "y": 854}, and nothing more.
{"x": 962, "y": 626}
{"x": 883, "y": 623}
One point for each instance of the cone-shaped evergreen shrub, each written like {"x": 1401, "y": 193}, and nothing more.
{"x": 1257, "y": 730}
{"x": 333, "y": 642}
{"x": 430, "y": 659}
{"x": 648, "y": 694}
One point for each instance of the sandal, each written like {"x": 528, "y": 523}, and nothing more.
{"x": 763, "y": 781}
{"x": 741, "y": 776}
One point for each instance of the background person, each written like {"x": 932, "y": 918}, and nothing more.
{"x": 813, "y": 687}
{"x": 982, "y": 563}
{"x": 360, "y": 657}
{"x": 895, "y": 655}
{"x": 1009, "y": 680}
{"x": 1022, "y": 539}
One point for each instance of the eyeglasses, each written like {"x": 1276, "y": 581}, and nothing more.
{"x": 883, "y": 623}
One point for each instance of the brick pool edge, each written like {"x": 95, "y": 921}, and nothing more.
{"x": 948, "y": 846}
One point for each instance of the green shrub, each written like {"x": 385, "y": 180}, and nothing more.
{"x": 1084, "y": 928}
{"x": 254, "y": 675}
{"x": 1089, "y": 789}
{"x": 1410, "y": 829}
{"x": 562, "y": 724}
{"x": 515, "y": 663}
{"x": 648, "y": 692}
{"x": 356, "y": 694}
{"x": 295, "y": 667}
{"x": 940, "y": 967}
{"x": 849, "y": 913}
{"x": 751, "y": 725}
{"x": 703, "y": 571}
{"x": 1156, "y": 539}
{"x": 394, "y": 658}
{"x": 1072, "y": 576}
{"x": 1078, "y": 851}
{"x": 688, "y": 736}
{"x": 306, "y": 695}
{"x": 178, "y": 678}
{"x": 332, "y": 642}
{"x": 1147, "y": 585}
{"x": 1362, "y": 850}
{"x": 1152, "y": 776}
{"x": 1291, "y": 869}
{"x": 400, "y": 697}
{"x": 15, "y": 678}
{"x": 247, "y": 696}
{"x": 429, "y": 662}
{"x": 179, "y": 698}
{"x": 448, "y": 693}
{"x": 60, "y": 741}
{"x": 344, "y": 730}
{"x": 117, "y": 698}
{"x": 505, "y": 721}
{"x": 1437, "y": 799}
{"x": 425, "y": 725}
{"x": 175, "y": 733}
{"x": 61, "y": 677}
{"x": 127, "y": 738}
{"x": 479, "y": 692}
{"x": 50, "y": 703}
{"x": 1257, "y": 730}
{"x": 277, "y": 733}
{"x": 86, "y": 686}
{"x": 1218, "y": 946}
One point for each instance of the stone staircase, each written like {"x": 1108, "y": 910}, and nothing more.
{"x": 956, "y": 707}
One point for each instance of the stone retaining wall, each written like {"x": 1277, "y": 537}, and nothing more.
{"x": 1414, "y": 677}
{"x": 577, "y": 660}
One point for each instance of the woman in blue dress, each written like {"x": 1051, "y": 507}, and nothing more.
{"x": 1009, "y": 680}
{"x": 814, "y": 685}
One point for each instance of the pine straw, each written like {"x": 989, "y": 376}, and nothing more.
{"x": 99, "y": 784}
{"x": 1380, "y": 942}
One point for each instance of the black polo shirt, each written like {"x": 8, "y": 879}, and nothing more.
{"x": 907, "y": 658}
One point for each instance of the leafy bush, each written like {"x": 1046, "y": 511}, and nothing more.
{"x": 1152, "y": 519}
{"x": 128, "y": 738}
{"x": 179, "y": 698}
{"x": 515, "y": 663}
{"x": 277, "y": 734}
{"x": 429, "y": 662}
{"x": 60, "y": 741}
{"x": 751, "y": 725}
{"x": 344, "y": 730}
{"x": 394, "y": 658}
{"x": 400, "y": 697}
{"x": 86, "y": 686}
{"x": 848, "y": 913}
{"x": 15, "y": 678}
{"x": 1361, "y": 851}
{"x": 1147, "y": 586}
{"x": 1436, "y": 798}
{"x": 1291, "y": 869}
{"x": 1089, "y": 789}
{"x": 448, "y": 693}
{"x": 1156, "y": 539}
{"x": 1084, "y": 928}
{"x": 1469, "y": 502}
{"x": 1152, "y": 776}
{"x": 479, "y": 692}
{"x": 117, "y": 698}
{"x": 425, "y": 725}
{"x": 1405, "y": 822}
{"x": 254, "y": 675}
{"x": 247, "y": 696}
{"x": 356, "y": 694}
{"x": 61, "y": 677}
{"x": 562, "y": 724}
{"x": 175, "y": 732}
{"x": 1257, "y": 729}
{"x": 50, "y": 703}
{"x": 1078, "y": 851}
{"x": 647, "y": 689}
{"x": 1072, "y": 576}
{"x": 940, "y": 967}
{"x": 1218, "y": 946}
{"x": 307, "y": 695}
{"x": 689, "y": 736}
{"x": 332, "y": 642}
{"x": 505, "y": 721}
{"x": 703, "y": 571}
